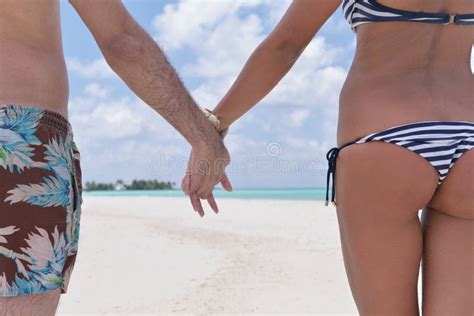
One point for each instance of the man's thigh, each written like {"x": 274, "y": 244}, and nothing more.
{"x": 42, "y": 304}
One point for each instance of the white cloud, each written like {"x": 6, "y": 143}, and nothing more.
{"x": 240, "y": 144}
{"x": 113, "y": 119}
{"x": 96, "y": 90}
{"x": 93, "y": 69}
{"x": 315, "y": 80}
{"x": 223, "y": 50}
{"x": 298, "y": 117}
{"x": 179, "y": 25}
{"x": 307, "y": 149}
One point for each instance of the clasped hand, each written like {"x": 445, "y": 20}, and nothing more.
{"x": 205, "y": 169}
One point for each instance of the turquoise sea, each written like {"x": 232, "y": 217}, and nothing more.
{"x": 273, "y": 194}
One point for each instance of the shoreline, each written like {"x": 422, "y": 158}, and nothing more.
{"x": 293, "y": 194}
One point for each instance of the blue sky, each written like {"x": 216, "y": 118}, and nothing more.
{"x": 282, "y": 142}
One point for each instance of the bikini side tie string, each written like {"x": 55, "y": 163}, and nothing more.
{"x": 331, "y": 156}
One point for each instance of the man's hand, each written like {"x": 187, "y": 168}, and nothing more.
{"x": 206, "y": 168}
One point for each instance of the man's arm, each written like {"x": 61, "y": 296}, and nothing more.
{"x": 142, "y": 65}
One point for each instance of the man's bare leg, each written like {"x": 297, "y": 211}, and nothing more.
{"x": 43, "y": 304}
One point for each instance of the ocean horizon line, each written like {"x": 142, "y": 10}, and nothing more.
{"x": 317, "y": 193}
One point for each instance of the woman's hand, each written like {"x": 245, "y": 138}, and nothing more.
{"x": 206, "y": 168}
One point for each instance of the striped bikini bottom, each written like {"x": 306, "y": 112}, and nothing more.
{"x": 441, "y": 143}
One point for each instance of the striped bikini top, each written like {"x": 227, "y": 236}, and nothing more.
{"x": 358, "y": 12}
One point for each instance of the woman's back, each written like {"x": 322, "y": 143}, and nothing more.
{"x": 408, "y": 71}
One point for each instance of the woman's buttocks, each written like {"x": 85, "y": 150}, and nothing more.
{"x": 405, "y": 72}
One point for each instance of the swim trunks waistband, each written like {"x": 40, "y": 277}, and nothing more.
{"x": 50, "y": 118}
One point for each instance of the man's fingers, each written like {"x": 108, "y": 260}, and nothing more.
{"x": 226, "y": 183}
{"x": 185, "y": 185}
{"x": 212, "y": 203}
{"x": 196, "y": 202}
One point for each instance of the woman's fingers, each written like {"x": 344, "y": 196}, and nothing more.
{"x": 226, "y": 183}
{"x": 196, "y": 202}
{"x": 212, "y": 203}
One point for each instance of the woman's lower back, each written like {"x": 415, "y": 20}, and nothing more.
{"x": 405, "y": 72}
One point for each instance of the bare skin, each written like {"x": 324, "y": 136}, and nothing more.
{"x": 43, "y": 304}
{"x": 33, "y": 72}
{"x": 402, "y": 72}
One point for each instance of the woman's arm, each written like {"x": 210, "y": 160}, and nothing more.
{"x": 274, "y": 57}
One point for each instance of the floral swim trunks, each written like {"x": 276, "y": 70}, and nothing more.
{"x": 40, "y": 200}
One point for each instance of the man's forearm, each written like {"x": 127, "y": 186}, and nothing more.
{"x": 142, "y": 65}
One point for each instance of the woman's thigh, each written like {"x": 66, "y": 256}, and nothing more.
{"x": 380, "y": 188}
{"x": 448, "y": 258}
{"x": 448, "y": 264}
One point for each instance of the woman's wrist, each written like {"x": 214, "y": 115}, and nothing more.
{"x": 216, "y": 122}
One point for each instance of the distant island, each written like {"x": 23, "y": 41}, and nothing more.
{"x": 120, "y": 185}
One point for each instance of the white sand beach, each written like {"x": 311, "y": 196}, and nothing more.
{"x": 155, "y": 255}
